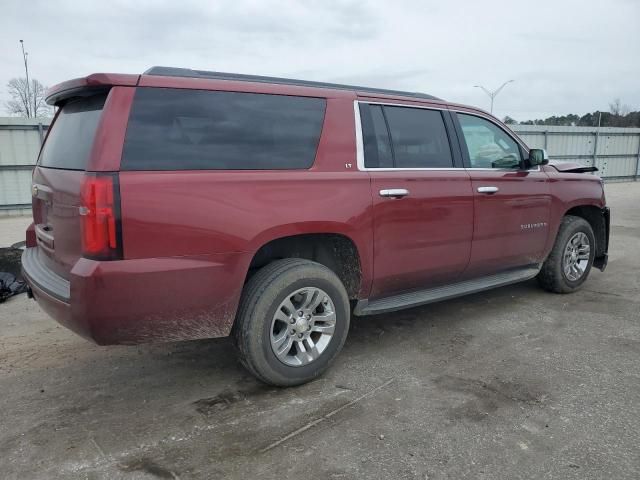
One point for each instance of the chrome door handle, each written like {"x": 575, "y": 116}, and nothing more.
{"x": 488, "y": 190}
{"x": 394, "y": 192}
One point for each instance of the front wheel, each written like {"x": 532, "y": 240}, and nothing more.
{"x": 292, "y": 321}
{"x": 570, "y": 261}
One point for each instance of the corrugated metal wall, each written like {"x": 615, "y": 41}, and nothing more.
{"x": 20, "y": 140}
{"x": 615, "y": 151}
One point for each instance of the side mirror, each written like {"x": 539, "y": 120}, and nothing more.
{"x": 538, "y": 156}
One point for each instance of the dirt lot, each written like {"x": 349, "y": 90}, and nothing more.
{"x": 513, "y": 383}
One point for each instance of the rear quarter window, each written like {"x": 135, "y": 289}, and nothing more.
{"x": 71, "y": 137}
{"x": 178, "y": 129}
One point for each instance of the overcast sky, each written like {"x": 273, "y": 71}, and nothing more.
{"x": 565, "y": 56}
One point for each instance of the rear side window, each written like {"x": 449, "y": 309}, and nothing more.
{"x": 71, "y": 137}
{"x": 419, "y": 138}
{"x": 176, "y": 129}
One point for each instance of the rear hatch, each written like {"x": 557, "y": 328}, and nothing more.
{"x": 58, "y": 181}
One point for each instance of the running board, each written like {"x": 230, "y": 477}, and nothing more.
{"x": 422, "y": 297}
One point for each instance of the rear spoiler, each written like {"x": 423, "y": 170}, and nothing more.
{"x": 90, "y": 85}
{"x": 568, "y": 167}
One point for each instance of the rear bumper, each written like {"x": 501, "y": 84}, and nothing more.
{"x": 601, "y": 261}
{"x": 41, "y": 278}
{"x": 142, "y": 300}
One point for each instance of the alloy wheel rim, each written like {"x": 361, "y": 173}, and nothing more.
{"x": 576, "y": 255}
{"x": 303, "y": 326}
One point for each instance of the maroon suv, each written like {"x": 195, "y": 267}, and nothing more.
{"x": 183, "y": 204}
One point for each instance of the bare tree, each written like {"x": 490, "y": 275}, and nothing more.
{"x": 27, "y": 99}
{"x": 617, "y": 108}
{"x": 618, "y": 113}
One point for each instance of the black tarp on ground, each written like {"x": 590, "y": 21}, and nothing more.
{"x": 11, "y": 282}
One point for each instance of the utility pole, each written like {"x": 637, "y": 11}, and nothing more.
{"x": 26, "y": 72}
{"x": 493, "y": 94}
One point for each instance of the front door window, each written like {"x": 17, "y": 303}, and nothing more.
{"x": 488, "y": 145}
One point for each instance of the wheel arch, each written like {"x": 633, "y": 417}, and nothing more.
{"x": 334, "y": 249}
{"x": 594, "y": 216}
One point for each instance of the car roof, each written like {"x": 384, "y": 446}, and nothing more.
{"x": 204, "y": 74}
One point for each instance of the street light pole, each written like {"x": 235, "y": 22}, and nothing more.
{"x": 26, "y": 72}
{"x": 493, "y": 94}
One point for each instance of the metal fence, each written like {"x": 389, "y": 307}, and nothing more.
{"x": 20, "y": 140}
{"x": 615, "y": 151}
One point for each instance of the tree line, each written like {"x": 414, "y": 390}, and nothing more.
{"x": 619, "y": 115}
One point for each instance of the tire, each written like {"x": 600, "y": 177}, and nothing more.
{"x": 553, "y": 275}
{"x": 263, "y": 314}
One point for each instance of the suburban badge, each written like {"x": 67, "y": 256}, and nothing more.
{"x": 533, "y": 226}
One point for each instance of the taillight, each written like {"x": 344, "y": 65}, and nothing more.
{"x": 100, "y": 217}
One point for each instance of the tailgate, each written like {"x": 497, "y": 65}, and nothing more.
{"x": 57, "y": 183}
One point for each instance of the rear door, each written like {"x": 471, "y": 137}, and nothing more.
{"x": 57, "y": 181}
{"x": 511, "y": 203}
{"x": 423, "y": 204}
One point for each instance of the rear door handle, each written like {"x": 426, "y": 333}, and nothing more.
{"x": 394, "y": 192}
{"x": 488, "y": 190}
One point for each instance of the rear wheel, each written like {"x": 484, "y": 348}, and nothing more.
{"x": 292, "y": 321}
{"x": 570, "y": 261}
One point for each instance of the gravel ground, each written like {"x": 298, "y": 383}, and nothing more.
{"x": 12, "y": 230}
{"x": 512, "y": 383}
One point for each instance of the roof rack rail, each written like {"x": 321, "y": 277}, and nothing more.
{"x": 187, "y": 72}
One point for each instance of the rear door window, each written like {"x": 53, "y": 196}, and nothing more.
{"x": 71, "y": 137}
{"x": 179, "y": 129}
{"x": 419, "y": 138}
{"x": 404, "y": 137}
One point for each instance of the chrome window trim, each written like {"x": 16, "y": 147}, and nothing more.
{"x": 359, "y": 139}
{"x": 537, "y": 169}
{"x": 360, "y": 142}
{"x": 456, "y": 169}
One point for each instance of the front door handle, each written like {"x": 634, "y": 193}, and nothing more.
{"x": 394, "y": 192}
{"x": 489, "y": 190}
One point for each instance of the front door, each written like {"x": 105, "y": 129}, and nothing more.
{"x": 511, "y": 204}
{"x": 423, "y": 206}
